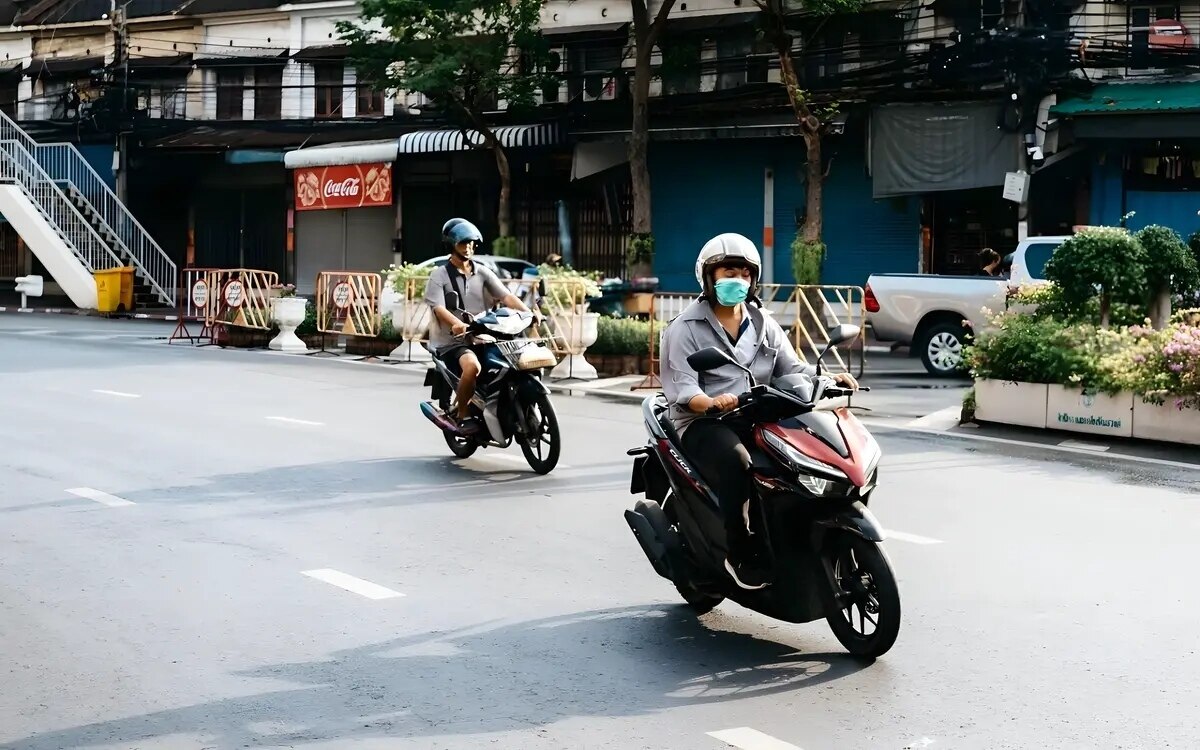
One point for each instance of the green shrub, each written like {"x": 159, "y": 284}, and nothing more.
{"x": 506, "y": 247}
{"x": 1104, "y": 261}
{"x": 807, "y": 259}
{"x": 621, "y": 337}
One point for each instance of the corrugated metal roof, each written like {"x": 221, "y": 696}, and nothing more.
{"x": 1132, "y": 98}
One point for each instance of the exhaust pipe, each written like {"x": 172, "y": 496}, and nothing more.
{"x": 435, "y": 415}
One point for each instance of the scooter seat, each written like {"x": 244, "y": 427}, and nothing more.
{"x": 664, "y": 420}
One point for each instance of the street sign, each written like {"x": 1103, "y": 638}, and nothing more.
{"x": 235, "y": 293}
{"x": 200, "y": 294}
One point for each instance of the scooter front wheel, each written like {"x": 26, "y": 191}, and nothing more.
{"x": 863, "y": 603}
{"x": 543, "y": 445}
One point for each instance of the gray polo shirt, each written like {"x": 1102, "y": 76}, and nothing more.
{"x": 478, "y": 292}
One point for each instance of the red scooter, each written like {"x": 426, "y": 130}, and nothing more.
{"x": 813, "y": 474}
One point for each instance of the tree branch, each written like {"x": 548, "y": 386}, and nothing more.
{"x": 660, "y": 21}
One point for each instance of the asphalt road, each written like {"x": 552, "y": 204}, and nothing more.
{"x": 178, "y": 529}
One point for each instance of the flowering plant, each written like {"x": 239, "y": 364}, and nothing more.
{"x": 407, "y": 279}
{"x": 284, "y": 290}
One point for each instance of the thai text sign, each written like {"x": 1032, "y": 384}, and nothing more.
{"x": 343, "y": 186}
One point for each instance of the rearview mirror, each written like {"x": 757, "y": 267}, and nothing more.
{"x": 452, "y": 301}
{"x": 708, "y": 359}
{"x": 843, "y": 333}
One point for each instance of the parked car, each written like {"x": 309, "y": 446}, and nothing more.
{"x": 926, "y": 312}
{"x": 505, "y": 268}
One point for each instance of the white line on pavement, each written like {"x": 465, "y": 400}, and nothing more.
{"x": 943, "y": 419}
{"x": 36, "y": 332}
{"x": 746, "y": 738}
{"x": 122, "y": 394}
{"x": 351, "y": 584}
{"x": 289, "y": 420}
{"x": 1096, "y": 447}
{"x": 901, "y": 536}
{"x": 101, "y": 497}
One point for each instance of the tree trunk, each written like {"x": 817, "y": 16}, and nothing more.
{"x": 810, "y": 126}
{"x": 504, "y": 212}
{"x": 1105, "y": 309}
{"x": 1160, "y": 308}
{"x": 639, "y": 136}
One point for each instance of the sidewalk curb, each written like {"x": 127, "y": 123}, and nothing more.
{"x": 89, "y": 313}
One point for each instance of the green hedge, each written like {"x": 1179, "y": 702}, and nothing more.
{"x": 621, "y": 337}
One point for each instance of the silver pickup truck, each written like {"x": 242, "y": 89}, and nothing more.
{"x": 926, "y": 312}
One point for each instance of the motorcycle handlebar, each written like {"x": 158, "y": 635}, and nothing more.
{"x": 748, "y": 396}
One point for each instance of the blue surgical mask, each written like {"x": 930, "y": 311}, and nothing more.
{"x": 731, "y": 292}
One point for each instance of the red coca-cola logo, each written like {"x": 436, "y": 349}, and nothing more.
{"x": 343, "y": 186}
{"x": 347, "y": 188}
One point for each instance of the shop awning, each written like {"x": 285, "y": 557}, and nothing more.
{"x": 219, "y": 57}
{"x": 322, "y": 53}
{"x": 592, "y": 33}
{"x": 1133, "y": 98}
{"x": 451, "y": 139}
{"x": 52, "y": 67}
{"x": 354, "y": 152}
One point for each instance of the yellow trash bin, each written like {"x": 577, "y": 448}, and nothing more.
{"x": 108, "y": 289}
{"x": 126, "y": 289}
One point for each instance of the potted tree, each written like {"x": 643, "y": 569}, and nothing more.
{"x": 287, "y": 311}
{"x": 403, "y": 298}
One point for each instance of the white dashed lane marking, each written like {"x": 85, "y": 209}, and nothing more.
{"x": 352, "y": 584}
{"x": 290, "y": 420}
{"x": 121, "y": 394}
{"x": 100, "y": 497}
{"x": 746, "y": 738}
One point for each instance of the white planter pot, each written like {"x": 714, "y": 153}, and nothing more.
{"x": 412, "y": 318}
{"x": 1165, "y": 423}
{"x": 579, "y": 331}
{"x": 1070, "y": 409}
{"x": 1022, "y": 404}
{"x": 288, "y": 312}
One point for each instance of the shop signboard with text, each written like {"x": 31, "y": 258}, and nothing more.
{"x": 343, "y": 186}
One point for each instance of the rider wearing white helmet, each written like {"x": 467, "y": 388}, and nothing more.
{"x": 728, "y": 270}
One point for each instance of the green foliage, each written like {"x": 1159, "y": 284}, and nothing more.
{"x": 309, "y": 326}
{"x": 1104, "y": 258}
{"x": 621, "y": 337}
{"x": 968, "y": 407}
{"x": 398, "y": 278}
{"x": 458, "y": 53}
{"x": 1028, "y": 349}
{"x": 807, "y": 259}
{"x": 640, "y": 249}
{"x": 1170, "y": 264}
{"x": 1048, "y": 301}
{"x": 388, "y": 330}
{"x": 506, "y": 247}
{"x": 565, "y": 286}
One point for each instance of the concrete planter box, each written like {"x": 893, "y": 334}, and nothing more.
{"x": 1166, "y": 423}
{"x": 1069, "y": 408}
{"x": 1022, "y": 404}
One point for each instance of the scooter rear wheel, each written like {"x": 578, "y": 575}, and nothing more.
{"x": 863, "y": 608}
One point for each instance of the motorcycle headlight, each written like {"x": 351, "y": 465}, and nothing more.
{"x": 815, "y": 476}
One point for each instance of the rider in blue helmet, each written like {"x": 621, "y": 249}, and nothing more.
{"x": 478, "y": 289}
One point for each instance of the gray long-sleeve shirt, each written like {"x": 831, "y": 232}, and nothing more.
{"x": 697, "y": 328}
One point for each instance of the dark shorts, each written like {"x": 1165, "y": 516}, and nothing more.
{"x": 451, "y": 353}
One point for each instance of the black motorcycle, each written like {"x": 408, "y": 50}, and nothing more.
{"x": 813, "y": 474}
{"x": 510, "y": 399}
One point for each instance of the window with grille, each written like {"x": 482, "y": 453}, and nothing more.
{"x": 329, "y": 79}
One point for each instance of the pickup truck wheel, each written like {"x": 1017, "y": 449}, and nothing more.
{"x": 942, "y": 348}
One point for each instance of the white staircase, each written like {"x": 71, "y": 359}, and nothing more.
{"x": 87, "y": 217}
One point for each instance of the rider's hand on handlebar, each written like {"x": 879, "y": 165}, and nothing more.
{"x": 725, "y": 402}
{"x": 846, "y": 380}
{"x": 458, "y": 329}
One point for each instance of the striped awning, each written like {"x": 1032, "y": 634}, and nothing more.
{"x": 451, "y": 139}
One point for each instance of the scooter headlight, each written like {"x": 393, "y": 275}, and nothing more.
{"x": 815, "y": 476}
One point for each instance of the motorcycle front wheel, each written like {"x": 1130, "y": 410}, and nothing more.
{"x": 863, "y": 604}
{"x": 542, "y": 444}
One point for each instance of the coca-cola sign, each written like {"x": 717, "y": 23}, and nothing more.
{"x": 343, "y": 186}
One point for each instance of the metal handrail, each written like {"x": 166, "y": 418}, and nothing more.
{"x": 76, "y": 231}
{"x": 65, "y": 164}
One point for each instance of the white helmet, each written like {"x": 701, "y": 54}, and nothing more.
{"x": 726, "y": 247}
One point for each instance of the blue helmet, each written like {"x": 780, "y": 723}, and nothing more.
{"x": 459, "y": 230}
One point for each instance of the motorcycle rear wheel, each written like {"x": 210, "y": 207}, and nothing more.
{"x": 865, "y": 591}
{"x": 461, "y": 447}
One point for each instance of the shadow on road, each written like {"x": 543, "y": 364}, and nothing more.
{"x": 608, "y": 663}
{"x": 380, "y": 483}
